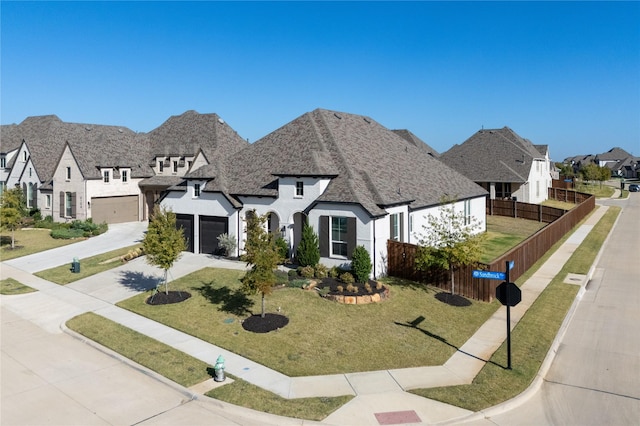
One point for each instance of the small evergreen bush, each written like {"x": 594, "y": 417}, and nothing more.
{"x": 334, "y": 272}
{"x": 299, "y": 283}
{"x": 308, "y": 251}
{"x": 347, "y": 278}
{"x": 66, "y": 233}
{"x": 306, "y": 271}
{"x": 293, "y": 273}
{"x": 283, "y": 247}
{"x": 361, "y": 264}
{"x": 320, "y": 271}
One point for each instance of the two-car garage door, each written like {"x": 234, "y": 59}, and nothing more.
{"x": 115, "y": 209}
{"x": 209, "y": 227}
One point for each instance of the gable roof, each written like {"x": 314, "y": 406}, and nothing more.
{"x": 493, "y": 155}
{"x": 368, "y": 164}
{"x": 613, "y": 154}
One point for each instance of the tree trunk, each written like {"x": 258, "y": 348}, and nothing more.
{"x": 166, "y": 283}
{"x": 262, "y": 315}
{"x": 13, "y": 239}
{"x": 453, "y": 288}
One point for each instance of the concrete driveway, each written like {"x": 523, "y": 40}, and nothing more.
{"x": 119, "y": 235}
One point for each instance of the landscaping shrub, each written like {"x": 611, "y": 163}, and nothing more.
{"x": 227, "y": 243}
{"x": 308, "y": 251}
{"x": 283, "y": 247}
{"x": 299, "y": 283}
{"x": 293, "y": 273}
{"x": 282, "y": 278}
{"x": 361, "y": 264}
{"x": 347, "y": 278}
{"x": 66, "y": 233}
{"x": 306, "y": 271}
{"x": 334, "y": 272}
{"x": 47, "y": 222}
{"x": 320, "y": 271}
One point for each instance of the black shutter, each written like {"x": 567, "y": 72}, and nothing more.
{"x": 62, "y": 204}
{"x": 34, "y": 194}
{"x": 324, "y": 236}
{"x": 351, "y": 236}
{"x": 73, "y": 205}
{"x": 402, "y": 239}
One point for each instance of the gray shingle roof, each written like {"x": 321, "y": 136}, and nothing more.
{"x": 410, "y": 137}
{"x": 369, "y": 164}
{"x": 189, "y": 132}
{"x": 493, "y": 155}
{"x": 95, "y": 146}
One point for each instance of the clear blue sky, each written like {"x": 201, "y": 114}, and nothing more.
{"x": 562, "y": 74}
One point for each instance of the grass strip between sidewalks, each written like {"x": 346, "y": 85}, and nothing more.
{"x": 188, "y": 371}
{"x": 88, "y": 266}
{"x": 531, "y": 338}
{"x": 10, "y": 286}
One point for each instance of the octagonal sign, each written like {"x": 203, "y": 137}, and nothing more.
{"x": 514, "y": 294}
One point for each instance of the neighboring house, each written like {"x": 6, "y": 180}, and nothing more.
{"x": 353, "y": 180}
{"x": 107, "y": 173}
{"x": 184, "y": 143}
{"x": 619, "y": 161}
{"x": 505, "y": 164}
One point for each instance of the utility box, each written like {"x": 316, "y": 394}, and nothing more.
{"x": 75, "y": 266}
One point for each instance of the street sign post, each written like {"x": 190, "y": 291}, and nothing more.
{"x": 509, "y": 295}
{"x": 490, "y": 275}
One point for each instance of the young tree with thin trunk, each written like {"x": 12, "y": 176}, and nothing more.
{"x": 262, "y": 253}
{"x": 164, "y": 242}
{"x": 12, "y": 210}
{"x": 450, "y": 240}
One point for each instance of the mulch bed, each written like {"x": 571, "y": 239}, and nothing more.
{"x": 270, "y": 322}
{"x": 162, "y": 298}
{"x": 333, "y": 284}
{"x": 453, "y": 299}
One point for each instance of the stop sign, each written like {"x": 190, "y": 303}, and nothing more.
{"x": 515, "y": 295}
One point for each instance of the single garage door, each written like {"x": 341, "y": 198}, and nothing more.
{"x": 210, "y": 228}
{"x": 115, "y": 209}
{"x": 185, "y": 221}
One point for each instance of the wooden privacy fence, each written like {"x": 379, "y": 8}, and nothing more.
{"x": 401, "y": 256}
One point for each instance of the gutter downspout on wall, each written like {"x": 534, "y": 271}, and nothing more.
{"x": 375, "y": 264}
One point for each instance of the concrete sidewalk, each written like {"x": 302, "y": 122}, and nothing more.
{"x": 378, "y": 393}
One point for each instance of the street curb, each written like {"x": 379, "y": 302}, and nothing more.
{"x": 537, "y": 382}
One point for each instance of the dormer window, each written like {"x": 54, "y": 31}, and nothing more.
{"x": 106, "y": 176}
{"x": 299, "y": 189}
{"x": 175, "y": 167}
{"x": 160, "y": 166}
{"x": 125, "y": 176}
{"x": 3, "y": 162}
{"x": 196, "y": 190}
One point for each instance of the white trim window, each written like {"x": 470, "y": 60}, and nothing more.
{"x": 467, "y": 212}
{"x": 68, "y": 204}
{"x": 396, "y": 231}
{"x": 196, "y": 190}
{"x": 125, "y": 176}
{"x": 299, "y": 189}
{"x": 47, "y": 201}
{"x": 106, "y": 176}
{"x": 338, "y": 241}
{"x": 68, "y": 173}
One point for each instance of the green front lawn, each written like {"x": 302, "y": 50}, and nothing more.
{"x": 322, "y": 337}
{"x": 29, "y": 241}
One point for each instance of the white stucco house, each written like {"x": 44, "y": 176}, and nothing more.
{"x": 353, "y": 180}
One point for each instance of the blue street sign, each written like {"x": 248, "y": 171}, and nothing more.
{"x": 490, "y": 275}
{"x": 511, "y": 265}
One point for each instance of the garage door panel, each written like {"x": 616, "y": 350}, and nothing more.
{"x": 210, "y": 228}
{"x": 185, "y": 222}
{"x": 115, "y": 209}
